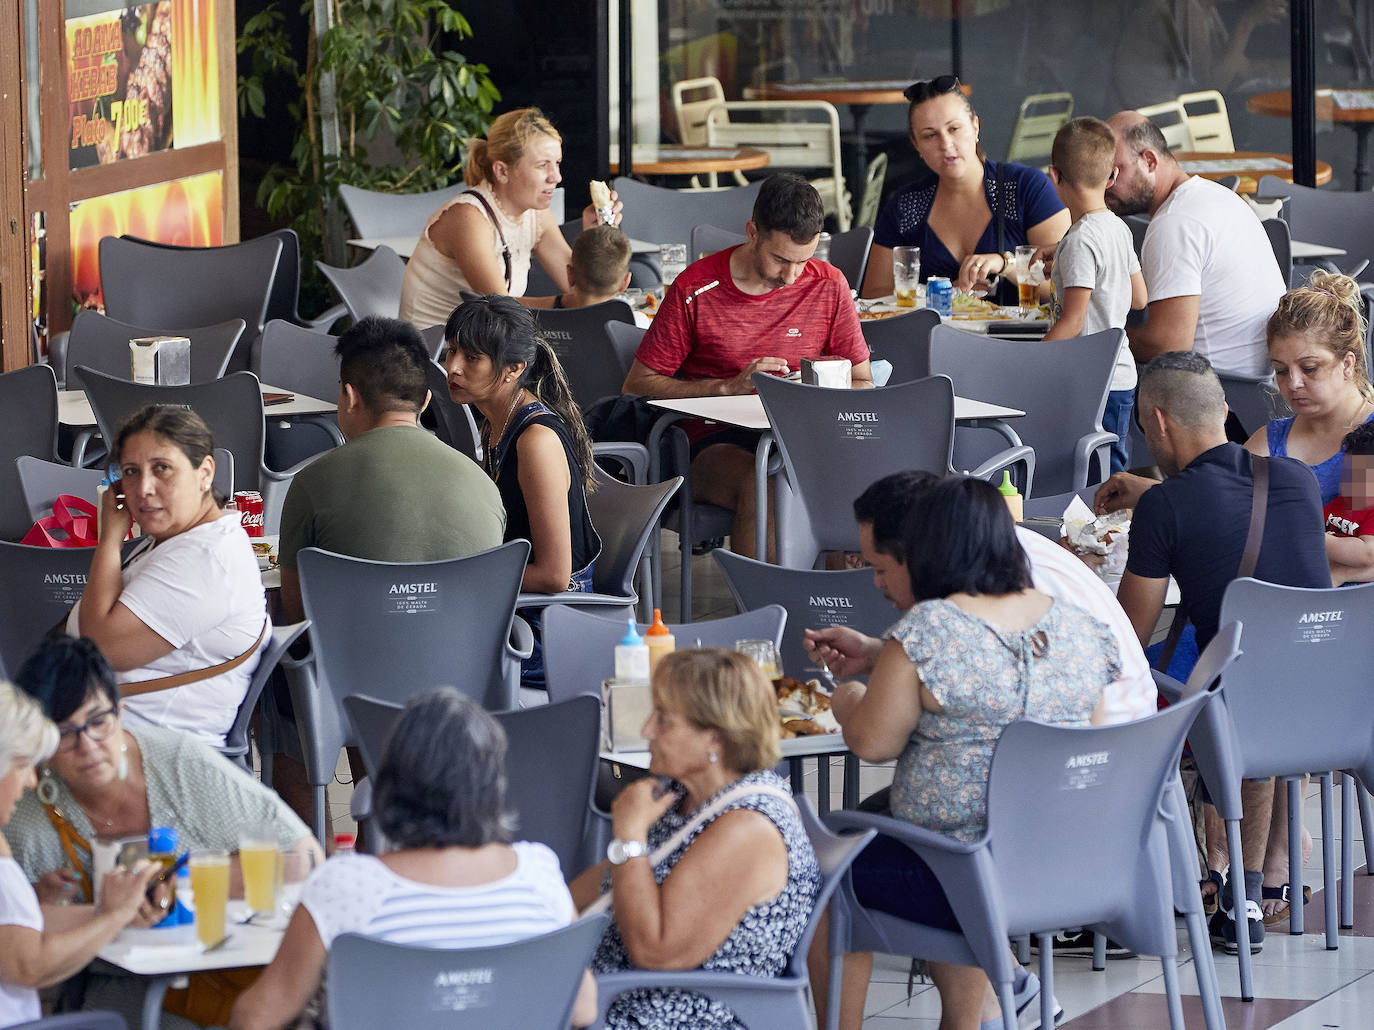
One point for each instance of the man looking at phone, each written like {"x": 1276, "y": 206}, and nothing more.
{"x": 761, "y": 306}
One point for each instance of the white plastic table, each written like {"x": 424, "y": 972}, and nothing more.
{"x": 73, "y": 409}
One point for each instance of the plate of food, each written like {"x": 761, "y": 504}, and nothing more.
{"x": 803, "y": 708}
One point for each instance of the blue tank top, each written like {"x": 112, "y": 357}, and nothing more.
{"x": 1328, "y": 473}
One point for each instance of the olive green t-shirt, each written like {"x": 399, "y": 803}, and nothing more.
{"x": 393, "y": 494}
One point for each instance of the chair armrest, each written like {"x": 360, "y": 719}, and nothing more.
{"x": 521, "y": 641}
{"x": 327, "y": 425}
{"x": 589, "y": 600}
{"x": 1023, "y": 455}
{"x": 1083, "y": 452}
{"x": 634, "y": 457}
{"x": 360, "y": 805}
{"x": 721, "y": 987}
{"x": 1169, "y": 688}
{"x": 326, "y": 318}
{"x": 899, "y": 829}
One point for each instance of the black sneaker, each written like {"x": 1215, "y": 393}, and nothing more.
{"x": 1079, "y": 943}
{"x": 1222, "y": 929}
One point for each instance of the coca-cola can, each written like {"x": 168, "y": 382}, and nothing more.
{"x": 249, "y": 503}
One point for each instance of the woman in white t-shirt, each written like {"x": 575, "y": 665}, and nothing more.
{"x": 33, "y": 955}
{"x": 191, "y": 597}
{"x": 453, "y": 880}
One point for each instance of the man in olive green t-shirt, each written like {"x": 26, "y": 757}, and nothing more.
{"x": 393, "y": 492}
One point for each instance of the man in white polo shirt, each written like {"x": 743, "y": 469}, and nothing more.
{"x": 1209, "y": 268}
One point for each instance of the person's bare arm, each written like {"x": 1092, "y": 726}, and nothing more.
{"x": 878, "y": 276}
{"x": 861, "y": 375}
{"x": 554, "y": 254}
{"x": 280, "y": 993}
{"x": 645, "y": 382}
{"x": 1142, "y": 600}
{"x": 1122, "y": 490}
{"x": 1170, "y": 325}
{"x": 680, "y": 923}
{"x": 544, "y": 482}
{"x": 1353, "y": 554}
{"x": 1259, "y": 442}
{"x": 465, "y": 235}
{"x": 1075, "y": 311}
{"x": 846, "y": 652}
{"x": 879, "y": 719}
{"x": 586, "y": 887}
{"x": 584, "y": 1005}
{"x": 1140, "y": 296}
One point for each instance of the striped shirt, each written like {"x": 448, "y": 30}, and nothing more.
{"x": 359, "y": 894}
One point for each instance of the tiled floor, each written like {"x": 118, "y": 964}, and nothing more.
{"x": 1298, "y": 984}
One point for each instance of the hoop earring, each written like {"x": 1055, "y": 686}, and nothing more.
{"x": 47, "y": 786}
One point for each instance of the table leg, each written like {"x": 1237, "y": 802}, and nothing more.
{"x": 1361, "y": 153}
{"x": 762, "y": 452}
{"x": 851, "y": 780}
{"x": 997, "y": 425}
{"x": 152, "y": 1000}
{"x": 822, "y": 784}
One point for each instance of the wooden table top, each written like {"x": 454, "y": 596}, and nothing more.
{"x": 675, "y": 159}
{"x": 838, "y": 91}
{"x": 1228, "y": 163}
{"x": 1279, "y": 104}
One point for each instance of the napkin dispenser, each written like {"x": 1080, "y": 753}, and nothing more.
{"x": 832, "y": 372}
{"x": 160, "y": 360}
{"x": 627, "y": 708}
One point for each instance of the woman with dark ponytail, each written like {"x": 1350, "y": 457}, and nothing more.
{"x": 534, "y": 443}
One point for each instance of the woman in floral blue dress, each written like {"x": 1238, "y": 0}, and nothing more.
{"x": 979, "y": 650}
{"x": 735, "y": 893}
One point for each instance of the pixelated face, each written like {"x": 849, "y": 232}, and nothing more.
{"x": 1357, "y": 480}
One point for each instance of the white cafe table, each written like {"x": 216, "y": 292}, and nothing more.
{"x": 159, "y": 957}
{"x": 1302, "y": 251}
{"x": 746, "y": 412}
{"x": 73, "y": 409}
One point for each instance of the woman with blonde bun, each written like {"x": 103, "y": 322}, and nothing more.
{"x": 1317, "y": 350}
{"x": 481, "y": 241}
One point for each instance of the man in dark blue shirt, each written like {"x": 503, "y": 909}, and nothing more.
{"x": 1193, "y": 526}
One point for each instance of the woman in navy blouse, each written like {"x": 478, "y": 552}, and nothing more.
{"x": 954, "y": 215}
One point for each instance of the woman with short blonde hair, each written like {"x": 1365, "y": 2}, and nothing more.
{"x": 725, "y": 691}
{"x": 482, "y": 240}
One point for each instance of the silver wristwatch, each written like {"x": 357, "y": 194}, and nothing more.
{"x": 618, "y": 852}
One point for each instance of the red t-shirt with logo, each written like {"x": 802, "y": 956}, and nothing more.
{"x": 1343, "y": 520}
{"x": 707, "y": 328}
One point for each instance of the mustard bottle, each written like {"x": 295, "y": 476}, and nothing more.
{"x": 660, "y": 641}
{"x": 1015, "y": 503}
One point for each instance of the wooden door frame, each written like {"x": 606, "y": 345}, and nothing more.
{"x": 16, "y": 301}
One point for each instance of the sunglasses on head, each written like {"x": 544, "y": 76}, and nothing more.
{"x": 927, "y": 88}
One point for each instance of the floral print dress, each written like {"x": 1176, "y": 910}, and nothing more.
{"x": 760, "y": 945}
{"x": 986, "y": 677}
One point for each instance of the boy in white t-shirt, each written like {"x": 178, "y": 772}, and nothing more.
{"x": 1096, "y": 274}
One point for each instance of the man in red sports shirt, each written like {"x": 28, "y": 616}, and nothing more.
{"x": 759, "y": 307}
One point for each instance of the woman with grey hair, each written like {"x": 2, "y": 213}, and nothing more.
{"x": 454, "y": 879}
{"x": 36, "y": 948}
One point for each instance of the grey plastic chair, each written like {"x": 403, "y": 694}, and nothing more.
{"x": 168, "y": 288}
{"x": 1282, "y": 242}
{"x": 1317, "y": 638}
{"x": 528, "y": 983}
{"x": 578, "y": 337}
{"x": 102, "y": 343}
{"x": 756, "y": 1001}
{"x": 371, "y": 288}
{"x": 625, "y": 517}
{"x": 661, "y": 215}
{"x": 434, "y": 341}
{"x": 28, "y": 397}
{"x": 392, "y": 630}
{"x": 1336, "y": 218}
{"x": 711, "y": 239}
{"x": 903, "y": 341}
{"x": 538, "y": 282}
{"x": 41, "y": 482}
{"x": 849, "y": 253}
{"x": 301, "y": 360}
{"x": 551, "y": 762}
{"x": 95, "y": 1020}
{"x": 1060, "y": 384}
{"x": 41, "y": 585}
{"x": 376, "y": 215}
{"x": 231, "y": 407}
{"x": 1074, "y": 838}
{"x": 237, "y": 747}
{"x": 834, "y": 443}
{"x": 579, "y": 645}
{"x": 453, "y": 422}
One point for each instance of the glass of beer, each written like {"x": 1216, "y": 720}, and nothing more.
{"x": 1026, "y": 293}
{"x": 210, "y": 887}
{"x": 764, "y": 654}
{"x": 259, "y": 858}
{"x": 906, "y": 275}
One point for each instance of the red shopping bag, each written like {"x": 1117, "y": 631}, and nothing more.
{"x": 71, "y": 524}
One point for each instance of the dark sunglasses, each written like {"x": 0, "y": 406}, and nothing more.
{"x": 921, "y": 91}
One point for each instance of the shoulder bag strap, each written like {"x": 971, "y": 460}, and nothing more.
{"x": 709, "y": 812}
{"x": 71, "y": 841}
{"x": 183, "y": 678}
{"x": 1254, "y": 537}
{"x": 495, "y": 224}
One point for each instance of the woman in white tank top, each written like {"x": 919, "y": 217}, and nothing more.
{"x": 482, "y": 240}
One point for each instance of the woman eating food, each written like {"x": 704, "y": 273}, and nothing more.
{"x": 980, "y": 649}
{"x": 481, "y": 241}
{"x": 710, "y": 867}
{"x": 188, "y": 603}
{"x": 452, "y": 880}
{"x": 970, "y": 213}
{"x": 42, "y": 946}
